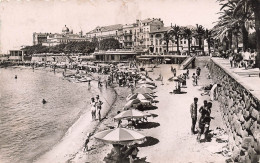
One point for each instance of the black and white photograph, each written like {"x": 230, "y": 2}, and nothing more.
{"x": 129, "y": 81}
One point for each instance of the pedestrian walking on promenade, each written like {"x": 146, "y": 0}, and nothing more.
{"x": 99, "y": 104}
{"x": 193, "y": 112}
{"x": 93, "y": 108}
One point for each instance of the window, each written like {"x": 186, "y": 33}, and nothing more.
{"x": 112, "y": 57}
{"x": 184, "y": 42}
{"x": 181, "y": 42}
{"x": 151, "y": 42}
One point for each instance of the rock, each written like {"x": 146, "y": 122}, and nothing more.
{"x": 236, "y": 153}
{"x": 244, "y": 133}
{"x": 255, "y": 158}
{"x": 246, "y": 142}
{"x": 254, "y": 114}
{"x": 247, "y": 124}
{"x": 253, "y": 127}
{"x": 257, "y": 146}
{"x": 246, "y": 115}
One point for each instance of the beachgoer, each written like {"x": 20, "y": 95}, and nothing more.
{"x": 99, "y": 82}
{"x": 187, "y": 73}
{"x": 204, "y": 107}
{"x": 213, "y": 92}
{"x": 133, "y": 155}
{"x": 119, "y": 121}
{"x": 93, "y": 108}
{"x": 86, "y": 143}
{"x": 174, "y": 72}
{"x": 231, "y": 59}
{"x": 193, "y": 112}
{"x": 15, "y": 76}
{"x": 98, "y": 107}
{"x": 44, "y": 101}
{"x": 204, "y": 121}
{"x": 198, "y": 71}
{"x": 194, "y": 79}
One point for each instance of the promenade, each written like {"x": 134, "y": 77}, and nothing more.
{"x": 248, "y": 78}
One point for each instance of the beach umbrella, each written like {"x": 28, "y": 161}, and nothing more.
{"x": 130, "y": 114}
{"x": 131, "y": 103}
{"x": 88, "y": 78}
{"x": 147, "y": 86}
{"x": 146, "y": 82}
{"x": 143, "y": 90}
{"x": 139, "y": 96}
{"x": 119, "y": 136}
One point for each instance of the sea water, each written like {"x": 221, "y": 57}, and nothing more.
{"x": 28, "y": 128}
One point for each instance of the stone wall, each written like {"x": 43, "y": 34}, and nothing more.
{"x": 240, "y": 113}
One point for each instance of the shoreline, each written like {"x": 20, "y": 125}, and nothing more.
{"x": 77, "y": 132}
{"x": 74, "y": 137}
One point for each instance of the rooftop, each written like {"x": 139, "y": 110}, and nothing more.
{"x": 107, "y": 28}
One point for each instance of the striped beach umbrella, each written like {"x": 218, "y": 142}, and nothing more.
{"x": 130, "y": 114}
{"x": 119, "y": 136}
{"x": 139, "y": 96}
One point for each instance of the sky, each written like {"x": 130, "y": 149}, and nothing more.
{"x": 20, "y": 18}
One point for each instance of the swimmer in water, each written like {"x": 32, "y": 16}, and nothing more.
{"x": 44, "y": 101}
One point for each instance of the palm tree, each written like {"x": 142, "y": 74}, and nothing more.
{"x": 208, "y": 36}
{"x": 187, "y": 34}
{"x": 199, "y": 34}
{"x": 166, "y": 38}
{"x": 176, "y": 31}
{"x": 254, "y": 5}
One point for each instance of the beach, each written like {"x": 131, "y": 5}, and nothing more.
{"x": 168, "y": 134}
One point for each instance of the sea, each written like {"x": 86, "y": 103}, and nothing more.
{"x": 29, "y": 128}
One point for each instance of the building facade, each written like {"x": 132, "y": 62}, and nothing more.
{"x": 52, "y": 39}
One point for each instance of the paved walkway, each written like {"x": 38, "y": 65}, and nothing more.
{"x": 241, "y": 75}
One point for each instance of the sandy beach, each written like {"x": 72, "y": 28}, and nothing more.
{"x": 168, "y": 135}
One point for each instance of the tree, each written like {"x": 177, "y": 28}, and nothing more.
{"x": 208, "y": 38}
{"x": 199, "y": 34}
{"x": 109, "y": 43}
{"x": 176, "y": 31}
{"x": 187, "y": 34}
{"x": 166, "y": 38}
{"x": 255, "y": 6}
